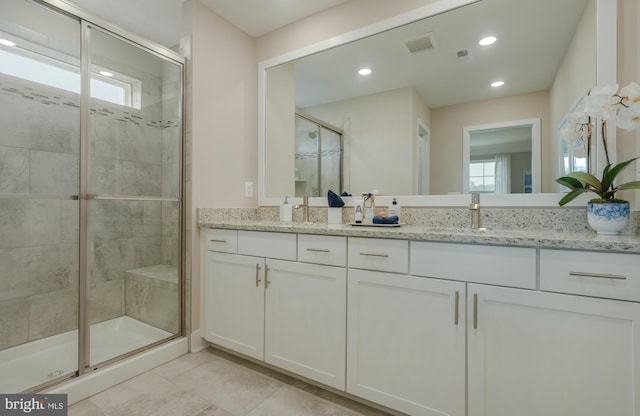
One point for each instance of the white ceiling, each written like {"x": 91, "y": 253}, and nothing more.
{"x": 157, "y": 20}
{"x": 161, "y": 20}
{"x": 258, "y": 17}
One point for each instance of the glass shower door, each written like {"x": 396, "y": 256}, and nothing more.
{"x": 133, "y": 197}
{"x": 39, "y": 184}
{"x": 318, "y": 163}
{"x": 330, "y": 161}
{"x": 307, "y": 146}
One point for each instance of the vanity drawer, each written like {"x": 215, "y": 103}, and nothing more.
{"x": 504, "y": 266}
{"x": 606, "y": 275}
{"x": 267, "y": 244}
{"x": 378, "y": 254}
{"x": 225, "y": 241}
{"x": 322, "y": 249}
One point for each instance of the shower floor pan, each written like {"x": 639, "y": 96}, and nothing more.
{"x": 37, "y": 362}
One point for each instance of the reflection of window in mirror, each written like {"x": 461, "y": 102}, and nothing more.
{"x": 482, "y": 176}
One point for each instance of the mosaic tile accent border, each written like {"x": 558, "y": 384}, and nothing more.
{"x": 51, "y": 96}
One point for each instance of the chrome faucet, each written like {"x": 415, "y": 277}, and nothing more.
{"x": 305, "y": 205}
{"x": 474, "y": 207}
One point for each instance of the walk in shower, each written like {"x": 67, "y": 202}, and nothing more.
{"x": 319, "y": 157}
{"x": 90, "y": 195}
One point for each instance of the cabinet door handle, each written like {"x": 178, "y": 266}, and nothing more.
{"x": 374, "y": 254}
{"x": 598, "y": 275}
{"x": 218, "y": 241}
{"x": 457, "y": 307}
{"x": 266, "y": 277}
{"x": 257, "y": 274}
{"x": 475, "y": 311}
{"x": 319, "y": 250}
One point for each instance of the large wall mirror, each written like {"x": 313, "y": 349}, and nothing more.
{"x": 403, "y": 124}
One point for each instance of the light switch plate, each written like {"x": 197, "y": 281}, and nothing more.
{"x": 248, "y": 189}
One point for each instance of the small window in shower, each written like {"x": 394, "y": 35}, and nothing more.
{"x": 106, "y": 85}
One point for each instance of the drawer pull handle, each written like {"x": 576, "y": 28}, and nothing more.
{"x": 319, "y": 250}
{"x": 218, "y": 241}
{"x": 266, "y": 277}
{"x": 457, "y": 307}
{"x": 598, "y": 275}
{"x": 475, "y": 311}
{"x": 257, "y": 274}
{"x": 374, "y": 254}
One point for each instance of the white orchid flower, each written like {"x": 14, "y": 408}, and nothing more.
{"x": 630, "y": 94}
{"x": 577, "y": 128}
{"x": 629, "y": 118}
{"x": 599, "y": 101}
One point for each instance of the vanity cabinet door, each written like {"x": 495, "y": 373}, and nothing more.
{"x": 305, "y": 328}
{"x": 234, "y": 303}
{"x": 533, "y": 353}
{"x": 406, "y": 342}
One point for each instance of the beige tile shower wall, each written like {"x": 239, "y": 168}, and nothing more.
{"x": 39, "y": 150}
{"x": 38, "y": 237}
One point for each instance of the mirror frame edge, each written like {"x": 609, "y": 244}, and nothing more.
{"x": 606, "y": 73}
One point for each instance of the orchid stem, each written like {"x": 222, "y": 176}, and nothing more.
{"x": 604, "y": 142}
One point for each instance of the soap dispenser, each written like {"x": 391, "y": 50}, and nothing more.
{"x": 358, "y": 214}
{"x": 286, "y": 211}
{"x": 394, "y": 209}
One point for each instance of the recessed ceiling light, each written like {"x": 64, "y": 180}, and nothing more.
{"x": 487, "y": 41}
{"x": 497, "y": 84}
{"x": 7, "y": 42}
{"x": 106, "y": 73}
{"x": 364, "y": 71}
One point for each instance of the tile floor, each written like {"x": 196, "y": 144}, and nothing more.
{"x": 214, "y": 383}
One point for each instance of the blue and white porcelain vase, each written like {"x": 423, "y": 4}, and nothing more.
{"x": 608, "y": 218}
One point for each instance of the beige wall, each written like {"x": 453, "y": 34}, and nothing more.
{"x": 381, "y": 139}
{"x": 446, "y": 133}
{"x": 224, "y": 122}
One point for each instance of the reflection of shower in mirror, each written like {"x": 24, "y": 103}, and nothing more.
{"x": 318, "y": 157}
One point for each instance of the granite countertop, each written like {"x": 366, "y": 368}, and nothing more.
{"x": 544, "y": 239}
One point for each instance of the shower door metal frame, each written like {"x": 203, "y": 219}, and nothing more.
{"x": 89, "y": 23}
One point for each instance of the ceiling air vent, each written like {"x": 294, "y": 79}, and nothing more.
{"x": 422, "y": 43}
{"x": 464, "y": 54}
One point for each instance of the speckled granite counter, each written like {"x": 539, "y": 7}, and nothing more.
{"x": 525, "y": 238}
